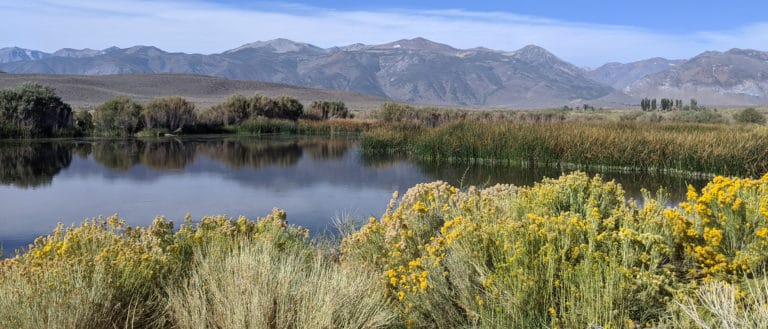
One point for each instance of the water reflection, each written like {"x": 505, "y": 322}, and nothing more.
{"x": 252, "y": 154}
{"x": 30, "y": 164}
{"x": 314, "y": 179}
{"x": 118, "y": 155}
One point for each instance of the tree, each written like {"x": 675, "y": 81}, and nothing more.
{"x": 653, "y": 104}
{"x": 172, "y": 113}
{"x": 666, "y": 104}
{"x": 694, "y": 105}
{"x": 118, "y": 116}
{"x": 645, "y": 104}
{"x": 35, "y": 110}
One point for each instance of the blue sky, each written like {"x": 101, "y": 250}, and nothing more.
{"x": 669, "y": 15}
{"x": 586, "y": 33}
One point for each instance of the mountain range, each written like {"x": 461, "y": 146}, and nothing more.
{"x": 422, "y": 71}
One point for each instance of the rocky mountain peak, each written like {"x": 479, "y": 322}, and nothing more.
{"x": 751, "y": 53}
{"x": 417, "y": 44}
{"x": 279, "y": 46}
{"x": 143, "y": 50}
{"x": 16, "y": 54}
{"x": 77, "y": 53}
{"x": 532, "y": 52}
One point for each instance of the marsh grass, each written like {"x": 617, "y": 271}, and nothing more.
{"x": 334, "y": 127}
{"x": 661, "y": 147}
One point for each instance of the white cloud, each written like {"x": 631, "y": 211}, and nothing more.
{"x": 211, "y": 28}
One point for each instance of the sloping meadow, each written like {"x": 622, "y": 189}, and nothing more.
{"x": 564, "y": 253}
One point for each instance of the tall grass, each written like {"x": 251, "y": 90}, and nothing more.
{"x": 690, "y": 148}
{"x": 723, "y": 305}
{"x": 259, "y": 286}
{"x": 334, "y": 127}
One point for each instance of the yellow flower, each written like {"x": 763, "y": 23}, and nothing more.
{"x": 552, "y": 311}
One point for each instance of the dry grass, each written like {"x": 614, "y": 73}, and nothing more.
{"x": 259, "y": 286}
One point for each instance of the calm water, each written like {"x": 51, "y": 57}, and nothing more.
{"x": 314, "y": 179}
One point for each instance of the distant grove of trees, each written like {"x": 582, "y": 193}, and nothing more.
{"x": 668, "y": 104}
{"x": 32, "y": 110}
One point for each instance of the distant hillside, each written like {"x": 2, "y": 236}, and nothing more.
{"x": 619, "y": 75}
{"x": 15, "y": 54}
{"x": 90, "y": 91}
{"x": 737, "y": 76}
{"x": 415, "y": 70}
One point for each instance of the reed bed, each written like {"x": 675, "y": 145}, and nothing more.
{"x": 333, "y": 127}
{"x": 565, "y": 253}
{"x": 662, "y": 147}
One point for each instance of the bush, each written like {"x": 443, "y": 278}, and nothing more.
{"x": 172, "y": 113}
{"x": 699, "y": 116}
{"x": 749, "y": 115}
{"x": 394, "y": 112}
{"x": 33, "y": 110}
{"x": 83, "y": 122}
{"x": 118, "y": 116}
{"x": 329, "y": 109}
{"x": 234, "y": 110}
{"x": 283, "y": 107}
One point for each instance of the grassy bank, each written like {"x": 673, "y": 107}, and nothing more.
{"x": 259, "y": 126}
{"x": 669, "y": 147}
{"x": 565, "y": 253}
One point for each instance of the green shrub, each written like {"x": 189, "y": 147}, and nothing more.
{"x": 699, "y": 116}
{"x": 118, "y": 116}
{"x": 33, "y": 110}
{"x": 282, "y": 107}
{"x": 233, "y": 111}
{"x": 749, "y": 115}
{"x": 172, "y": 113}
{"x": 324, "y": 110}
{"x": 83, "y": 122}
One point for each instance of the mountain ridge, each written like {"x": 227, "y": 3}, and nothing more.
{"x": 419, "y": 70}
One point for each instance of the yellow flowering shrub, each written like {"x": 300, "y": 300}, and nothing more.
{"x": 566, "y": 253}
{"x": 724, "y": 228}
{"x": 104, "y": 264}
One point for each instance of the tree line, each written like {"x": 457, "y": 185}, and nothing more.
{"x": 33, "y": 110}
{"x": 668, "y": 104}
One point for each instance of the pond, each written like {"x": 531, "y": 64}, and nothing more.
{"x": 313, "y": 179}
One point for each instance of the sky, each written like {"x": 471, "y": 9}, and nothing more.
{"x": 586, "y": 33}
